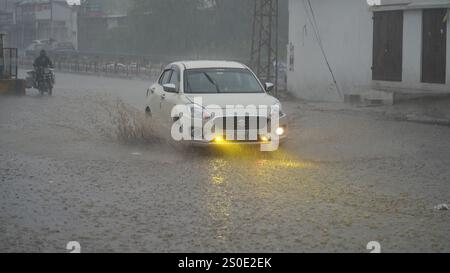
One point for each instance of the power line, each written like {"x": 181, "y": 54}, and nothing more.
{"x": 313, "y": 22}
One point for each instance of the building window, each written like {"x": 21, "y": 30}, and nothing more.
{"x": 387, "y": 46}
{"x": 434, "y": 45}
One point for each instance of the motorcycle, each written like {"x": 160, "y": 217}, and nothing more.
{"x": 42, "y": 79}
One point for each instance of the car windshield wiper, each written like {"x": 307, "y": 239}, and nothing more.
{"x": 212, "y": 81}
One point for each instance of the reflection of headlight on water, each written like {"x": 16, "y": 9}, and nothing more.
{"x": 286, "y": 164}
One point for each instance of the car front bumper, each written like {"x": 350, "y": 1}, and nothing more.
{"x": 223, "y": 141}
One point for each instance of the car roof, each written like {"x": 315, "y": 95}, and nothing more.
{"x": 209, "y": 64}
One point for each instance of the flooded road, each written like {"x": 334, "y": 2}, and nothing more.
{"x": 342, "y": 180}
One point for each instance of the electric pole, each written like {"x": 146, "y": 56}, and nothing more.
{"x": 264, "y": 52}
{"x": 51, "y": 22}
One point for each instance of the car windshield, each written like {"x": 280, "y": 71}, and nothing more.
{"x": 220, "y": 80}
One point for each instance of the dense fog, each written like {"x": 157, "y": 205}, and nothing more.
{"x": 188, "y": 28}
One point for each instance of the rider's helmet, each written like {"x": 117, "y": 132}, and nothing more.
{"x": 43, "y": 52}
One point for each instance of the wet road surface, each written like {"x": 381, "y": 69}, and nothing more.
{"x": 342, "y": 180}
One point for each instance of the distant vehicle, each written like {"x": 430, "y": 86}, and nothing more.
{"x": 115, "y": 66}
{"x": 36, "y": 46}
{"x": 120, "y": 66}
{"x": 64, "y": 47}
{"x": 42, "y": 42}
{"x": 218, "y": 84}
{"x": 133, "y": 66}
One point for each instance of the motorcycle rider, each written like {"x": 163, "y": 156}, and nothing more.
{"x": 40, "y": 64}
{"x": 43, "y": 61}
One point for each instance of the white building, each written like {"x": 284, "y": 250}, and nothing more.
{"x": 46, "y": 19}
{"x": 395, "y": 47}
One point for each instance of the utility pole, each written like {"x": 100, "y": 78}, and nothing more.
{"x": 51, "y": 22}
{"x": 2, "y": 61}
{"x": 264, "y": 52}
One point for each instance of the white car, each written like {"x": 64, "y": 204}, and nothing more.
{"x": 208, "y": 90}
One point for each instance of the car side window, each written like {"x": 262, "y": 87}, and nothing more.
{"x": 175, "y": 79}
{"x": 165, "y": 77}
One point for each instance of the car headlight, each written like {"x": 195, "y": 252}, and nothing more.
{"x": 198, "y": 112}
{"x": 280, "y": 131}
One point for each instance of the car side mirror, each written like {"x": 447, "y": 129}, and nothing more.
{"x": 269, "y": 86}
{"x": 170, "y": 87}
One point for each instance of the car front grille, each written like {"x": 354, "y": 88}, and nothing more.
{"x": 236, "y": 127}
